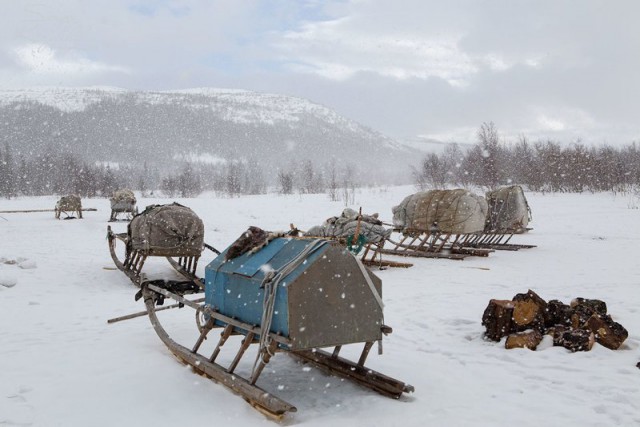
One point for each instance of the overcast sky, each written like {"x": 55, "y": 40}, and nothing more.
{"x": 563, "y": 70}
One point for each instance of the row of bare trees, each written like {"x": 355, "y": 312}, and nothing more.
{"x": 541, "y": 166}
{"x": 52, "y": 172}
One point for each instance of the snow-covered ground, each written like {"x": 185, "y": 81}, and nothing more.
{"x": 61, "y": 364}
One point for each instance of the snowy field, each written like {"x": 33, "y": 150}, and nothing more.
{"x": 61, "y": 364}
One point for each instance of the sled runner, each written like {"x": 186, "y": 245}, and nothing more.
{"x": 280, "y": 295}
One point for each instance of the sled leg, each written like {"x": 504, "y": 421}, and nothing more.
{"x": 203, "y": 335}
{"x": 226, "y": 333}
{"x": 336, "y": 351}
{"x": 271, "y": 349}
{"x": 246, "y": 342}
{"x": 365, "y": 353}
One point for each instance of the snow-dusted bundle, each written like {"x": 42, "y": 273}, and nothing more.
{"x": 69, "y": 203}
{"x": 167, "y": 230}
{"x": 447, "y": 211}
{"x": 346, "y": 224}
{"x": 122, "y": 198}
{"x": 123, "y": 201}
{"x": 509, "y": 211}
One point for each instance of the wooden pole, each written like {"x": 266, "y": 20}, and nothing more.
{"x": 144, "y": 313}
{"x": 45, "y": 210}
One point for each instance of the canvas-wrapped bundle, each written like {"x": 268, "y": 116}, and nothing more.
{"x": 346, "y": 224}
{"x": 70, "y": 203}
{"x": 447, "y": 211}
{"x": 508, "y": 210}
{"x": 167, "y": 230}
{"x": 122, "y": 200}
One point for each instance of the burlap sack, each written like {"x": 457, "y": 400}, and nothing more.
{"x": 167, "y": 230}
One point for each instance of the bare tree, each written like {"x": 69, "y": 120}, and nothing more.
{"x": 309, "y": 180}
{"x": 349, "y": 185}
{"x": 285, "y": 182}
{"x": 188, "y": 182}
{"x": 332, "y": 183}
{"x": 527, "y": 168}
{"x": 7, "y": 173}
{"x": 169, "y": 186}
{"x": 453, "y": 158}
{"x": 254, "y": 182}
{"x": 488, "y": 141}
{"x": 432, "y": 173}
{"x": 233, "y": 178}
{"x": 142, "y": 183}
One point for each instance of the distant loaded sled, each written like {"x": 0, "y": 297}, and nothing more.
{"x": 455, "y": 224}
{"x": 69, "y": 205}
{"x": 277, "y": 292}
{"x": 123, "y": 204}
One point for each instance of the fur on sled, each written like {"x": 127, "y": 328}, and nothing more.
{"x": 251, "y": 241}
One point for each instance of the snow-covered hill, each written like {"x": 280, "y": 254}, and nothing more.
{"x": 111, "y": 124}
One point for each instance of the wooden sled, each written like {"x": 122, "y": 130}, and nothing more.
{"x": 209, "y": 318}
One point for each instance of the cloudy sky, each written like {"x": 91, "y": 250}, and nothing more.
{"x": 563, "y": 70}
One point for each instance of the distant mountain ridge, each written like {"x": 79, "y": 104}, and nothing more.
{"x": 117, "y": 125}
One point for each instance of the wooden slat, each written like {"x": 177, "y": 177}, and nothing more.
{"x": 417, "y": 254}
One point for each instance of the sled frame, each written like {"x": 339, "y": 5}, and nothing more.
{"x": 426, "y": 244}
{"x": 495, "y": 240}
{"x": 126, "y": 213}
